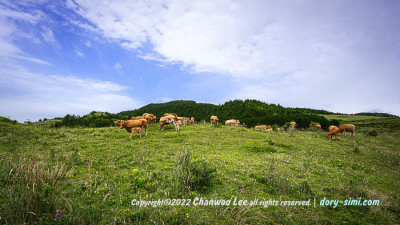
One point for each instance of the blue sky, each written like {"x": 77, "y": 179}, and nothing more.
{"x": 76, "y": 56}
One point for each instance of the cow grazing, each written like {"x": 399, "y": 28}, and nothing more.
{"x": 186, "y": 121}
{"x": 333, "y": 131}
{"x": 151, "y": 118}
{"x": 317, "y": 126}
{"x": 173, "y": 114}
{"x": 214, "y": 119}
{"x": 347, "y": 127}
{"x": 331, "y": 127}
{"x": 170, "y": 119}
{"x": 132, "y": 125}
{"x": 118, "y": 123}
{"x": 183, "y": 120}
{"x": 232, "y": 122}
{"x": 259, "y": 127}
{"x": 192, "y": 120}
{"x": 293, "y": 125}
{"x": 264, "y": 127}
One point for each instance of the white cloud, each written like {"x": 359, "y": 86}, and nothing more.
{"x": 32, "y": 17}
{"x": 117, "y": 66}
{"x": 240, "y": 38}
{"x": 88, "y": 44}
{"x": 48, "y": 35}
{"x": 79, "y": 53}
{"x": 27, "y": 95}
{"x": 313, "y": 47}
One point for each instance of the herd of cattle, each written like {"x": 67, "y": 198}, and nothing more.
{"x": 139, "y": 124}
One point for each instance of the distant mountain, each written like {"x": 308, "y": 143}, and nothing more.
{"x": 375, "y": 114}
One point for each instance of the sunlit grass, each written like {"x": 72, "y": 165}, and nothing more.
{"x": 103, "y": 170}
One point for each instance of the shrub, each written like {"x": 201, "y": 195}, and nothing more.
{"x": 192, "y": 175}
{"x": 373, "y": 133}
{"x": 305, "y": 188}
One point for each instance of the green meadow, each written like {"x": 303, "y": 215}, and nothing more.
{"x": 92, "y": 175}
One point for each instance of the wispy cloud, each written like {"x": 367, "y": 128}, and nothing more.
{"x": 9, "y": 31}
{"x": 48, "y": 35}
{"x": 79, "y": 53}
{"x": 117, "y": 66}
{"x": 57, "y": 95}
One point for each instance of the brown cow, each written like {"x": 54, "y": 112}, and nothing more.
{"x": 316, "y": 126}
{"x": 170, "y": 119}
{"x": 232, "y": 122}
{"x": 183, "y": 120}
{"x": 137, "y": 117}
{"x": 118, "y": 123}
{"x": 137, "y": 130}
{"x": 130, "y": 124}
{"x": 174, "y": 114}
{"x": 191, "y": 120}
{"x": 214, "y": 119}
{"x": 186, "y": 121}
{"x": 293, "y": 125}
{"x": 151, "y": 118}
{"x": 265, "y": 127}
{"x": 260, "y": 127}
{"x": 347, "y": 127}
{"x": 333, "y": 131}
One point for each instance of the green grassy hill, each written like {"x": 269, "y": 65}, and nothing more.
{"x": 91, "y": 175}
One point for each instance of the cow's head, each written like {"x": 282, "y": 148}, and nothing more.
{"x": 327, "y": 136}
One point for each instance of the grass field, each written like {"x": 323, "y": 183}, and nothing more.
{"x": 91, "y": 175}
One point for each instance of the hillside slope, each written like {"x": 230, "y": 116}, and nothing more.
{"x": 92, "y": 175}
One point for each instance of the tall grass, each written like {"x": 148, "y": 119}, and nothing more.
{"x": 31, "y": 190}
{"x": 192, "y": 175}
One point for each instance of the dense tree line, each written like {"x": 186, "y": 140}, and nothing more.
{"x": 249, "y": 112}
{"x": 200, "y": 111}
{"x": 94, "y": 119}
{"x": 375, "y": 114}
{"x": 314, "y": 111}
{"x": 254, "y": 112}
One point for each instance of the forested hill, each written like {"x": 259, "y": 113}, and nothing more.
{"x": 249, "y": 112}
{"x": 200, "y": 111}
